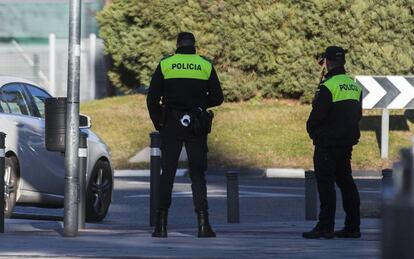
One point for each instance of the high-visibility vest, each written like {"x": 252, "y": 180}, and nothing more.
{"x": 342, "y": 88}
{"x": 191, "y": 66}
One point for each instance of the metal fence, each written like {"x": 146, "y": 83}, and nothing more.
{"x": 45, "y": 62}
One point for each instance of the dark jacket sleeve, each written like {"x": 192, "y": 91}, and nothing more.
{"x": 155, "y": 93}
{"x": 321, "y": 105}
{"x": 360, "y": 107}
{"x": 215, "y": 93}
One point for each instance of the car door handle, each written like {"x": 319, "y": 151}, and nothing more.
{"x": 19, "y": 125}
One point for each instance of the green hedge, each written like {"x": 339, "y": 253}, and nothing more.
{"x": 261, "y": 48}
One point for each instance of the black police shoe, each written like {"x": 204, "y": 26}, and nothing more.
{"x": 318, "y": 232}
{"x": 204, "y": 227}
{"x": 348, "y": 233}
{"x": 160, "y": 229}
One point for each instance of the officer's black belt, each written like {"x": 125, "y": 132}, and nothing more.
{"x": 176, "y": 114}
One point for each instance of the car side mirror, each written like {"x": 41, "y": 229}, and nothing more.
{"x": 84, "y": 121}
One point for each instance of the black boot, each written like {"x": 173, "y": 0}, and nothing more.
{"x": 348, "y": 233}
{"x": 318, "y": 232}
{"x": 160, "y": 229}
{"x": 204, "y": 228}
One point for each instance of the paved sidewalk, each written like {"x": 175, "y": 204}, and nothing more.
{"x": 42, "y": 239}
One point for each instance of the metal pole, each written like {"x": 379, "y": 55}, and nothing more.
{"x": 233, "y": 213}
{"x": 92, "y": 62}
{"x": 155, "y": 174}
{"x": 72, "y": 123}
{"x": 2, "y": 168}
{"x": 385, "y": 128}
{"x": 311, "y": 196}
{"x": 83, "y": 159}
{"x": 52, "y": 64}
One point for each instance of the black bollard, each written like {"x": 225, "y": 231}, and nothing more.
{"x": 311, "y": 196}
{"x": 155, "y": 168}
{"x": 83, "y": 160}
{"x": 2, "y": 169}
{"x": 233, "y": 214}
{"x": 398, "y": 213}
{"x": 387, "y": 182}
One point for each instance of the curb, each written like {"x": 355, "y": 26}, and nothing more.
{"x": 287, "y": 173}
{"x": 145, "y": 173}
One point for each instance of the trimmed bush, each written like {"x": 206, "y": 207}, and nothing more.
{"x": 260, "y": 48}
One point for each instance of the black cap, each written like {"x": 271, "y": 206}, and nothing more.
{"x": 334, "y": 53}
{"x": 185, "y": 39}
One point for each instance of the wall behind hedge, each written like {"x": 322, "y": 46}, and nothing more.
{"x": 260, "y": 48}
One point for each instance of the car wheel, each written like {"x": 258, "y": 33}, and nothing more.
{"x": 99, "y": 192}
{"x": 11, "y": 182}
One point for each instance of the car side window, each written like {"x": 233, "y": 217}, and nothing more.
{"x": 3, "y": 103}
{"x": 12, "y": 95}
{"x": 39, "y": 97}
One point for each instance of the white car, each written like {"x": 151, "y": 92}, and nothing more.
{"x": 35, "y": 176}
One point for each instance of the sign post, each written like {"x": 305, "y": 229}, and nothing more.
{"x": 387, "y": 92}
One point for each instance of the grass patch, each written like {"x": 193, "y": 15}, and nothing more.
{"x": 254, "y": 134}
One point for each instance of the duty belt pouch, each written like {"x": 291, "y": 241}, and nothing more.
{"x": 209, "y": 119}
{"x": 202, "y": 122}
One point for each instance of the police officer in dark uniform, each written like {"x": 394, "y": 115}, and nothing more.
{"x": 182, "y": 88}
{"x": 333, "y": 125}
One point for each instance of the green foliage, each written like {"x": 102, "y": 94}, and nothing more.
{"x": 260, "y": 47}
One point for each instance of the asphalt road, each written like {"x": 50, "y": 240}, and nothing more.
{"x": 261, "y": 200}
{"x": 271, "y": 223}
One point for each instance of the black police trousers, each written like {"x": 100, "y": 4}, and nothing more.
{"x": 333, "y": 165}
{"x": 173, "y": 136}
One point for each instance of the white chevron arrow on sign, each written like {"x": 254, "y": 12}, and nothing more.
{"x": 406, "y": 92}
{"x": 376, "y": 92}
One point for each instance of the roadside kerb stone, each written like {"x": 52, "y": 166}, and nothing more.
{"x": 145, "y": 173}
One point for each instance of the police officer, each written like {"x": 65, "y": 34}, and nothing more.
{"x": 182, "y": 88}
{"x": 333, "y": 125}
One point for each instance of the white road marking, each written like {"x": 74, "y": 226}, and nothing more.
{"x": 144, "y": 173}
{"x": 223, "y": 194}
{"x": 271, "y": 187}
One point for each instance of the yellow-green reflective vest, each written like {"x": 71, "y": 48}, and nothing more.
{"x": 190, "y": 66}
{"x": 343, "y": 87}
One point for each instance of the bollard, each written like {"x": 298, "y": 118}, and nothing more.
{"x": 233, "y": 215}
{"x": 155, "y": 167}
{"x": 2, "y": 169}
{"x": 83, "y": 160}
{"x": 311, "y": 195}
{"x": 387, "y": 182}
{"x": 398, "y": 213}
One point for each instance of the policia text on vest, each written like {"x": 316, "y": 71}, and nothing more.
{"x": 186, "y": 66}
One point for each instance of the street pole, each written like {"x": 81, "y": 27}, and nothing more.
{"x": 72, "y": 123}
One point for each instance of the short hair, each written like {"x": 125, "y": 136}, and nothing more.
{"x": 336, "y": 62}
{"x": 185, "y": 39}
